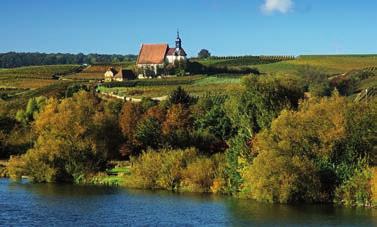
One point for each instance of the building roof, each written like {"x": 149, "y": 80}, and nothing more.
{"x": 180, "y": 52}
{"x": 152, "y": 54}
{"x": 171, "y": 51}
{"x": 124, "y": 74}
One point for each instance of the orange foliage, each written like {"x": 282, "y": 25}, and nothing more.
{"x": 129, "y": 117}
{"x": 177, "y": 118}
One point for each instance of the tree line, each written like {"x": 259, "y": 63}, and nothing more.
{"x": 14, "y": 59}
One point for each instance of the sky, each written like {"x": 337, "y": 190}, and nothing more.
{"x": 224, "y": 27}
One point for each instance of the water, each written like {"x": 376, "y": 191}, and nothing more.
{"x": 24, "y": 204}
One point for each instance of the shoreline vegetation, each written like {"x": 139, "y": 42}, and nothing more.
{"x": 276, "y": 137}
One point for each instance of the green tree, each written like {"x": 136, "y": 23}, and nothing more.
{"x": 203, "y": 53}
{"x": 148, "y": 133}
{"x": 180, "y": 96}
{"x": 34, "y": 106}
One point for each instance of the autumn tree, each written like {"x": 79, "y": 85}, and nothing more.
{"x": 292, "y": 158}
{"x": 261, "y": 101}
{"x": 73, "y": 140}
{"x": 129, "y": 117}
{"x": 177, "y": 125}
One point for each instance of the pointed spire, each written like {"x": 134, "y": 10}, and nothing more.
{"x": 178, "y": 41}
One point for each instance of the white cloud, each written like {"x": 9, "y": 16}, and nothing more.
{"x": 282, "y": 6}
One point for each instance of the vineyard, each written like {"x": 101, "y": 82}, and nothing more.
{"x": 196, "y": 85}
{"x": 38, "y": 72}
{"x": 242, "y": 60}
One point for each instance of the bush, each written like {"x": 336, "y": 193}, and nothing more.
{"x": 199, "y": 175}
{"x": 178, "y": 170}
{"x": 357, "y": 190}
{"x": 373, "y": 184}
{"x": 159, "y": 169}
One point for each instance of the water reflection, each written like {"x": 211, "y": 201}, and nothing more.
{"x": 246, "y": 211}
{"x": 63, "y": 190}
{"x": 46, "y": 204}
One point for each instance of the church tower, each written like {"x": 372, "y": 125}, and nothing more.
{"x": 177, "y": 53}
{"x": 178, "y": 42}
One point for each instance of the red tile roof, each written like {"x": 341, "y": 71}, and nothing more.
{"x": 171, "y": 51}
{"x": 152, "y": 53}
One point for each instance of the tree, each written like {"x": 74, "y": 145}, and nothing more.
{"x": 148, "y": 133}
{"x": 262, "y": 100}
{"x": 180, "y": 96}
{"x": 73, "y": 140}
{"x": 129, "y": 117}
{"x": 294, "y": 159}
{"x": 34, "y": 106}
{"x": 211, "y": 117}
{"x": 204, "y": 53}
{"x": 177, "y": 126}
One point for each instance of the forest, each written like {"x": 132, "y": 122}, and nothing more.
{"x": 279, "y": 139}
{"x": 14, "y": 59}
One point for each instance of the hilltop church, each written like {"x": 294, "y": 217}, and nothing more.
{"x": 155, "y": 56}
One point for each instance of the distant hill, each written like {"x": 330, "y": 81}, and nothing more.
{"x": 13, "y": 59}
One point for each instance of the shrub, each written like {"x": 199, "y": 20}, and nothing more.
{"x": 178, "y": 170}
{"x": 357, "y": 190}
{"x": 373, "y": 184}
{"x": 159, "y": 169}
{"x": 199, "y": 175}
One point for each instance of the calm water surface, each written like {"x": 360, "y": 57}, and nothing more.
{"x": 24, "y": 204}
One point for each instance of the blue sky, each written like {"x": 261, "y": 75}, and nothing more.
{"x": 225, "y": 27}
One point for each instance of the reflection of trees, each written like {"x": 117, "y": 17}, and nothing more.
{"x": 248, "y": 212}
{"x": 63, "y": 190}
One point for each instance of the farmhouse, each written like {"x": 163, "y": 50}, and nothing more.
{"x": 153, "y": 57}
{"x": 118, "y": 75}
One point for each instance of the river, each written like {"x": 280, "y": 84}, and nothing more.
{"x": 25, "y": 204}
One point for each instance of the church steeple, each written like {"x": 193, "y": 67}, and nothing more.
{"x": 178, "y": 41}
